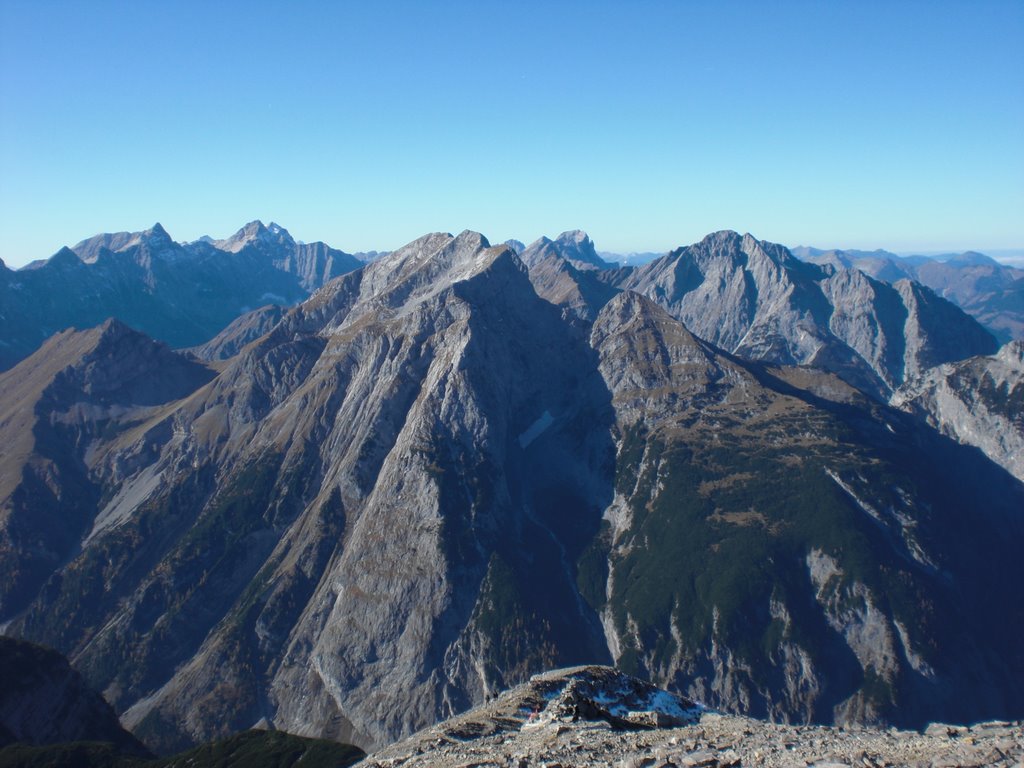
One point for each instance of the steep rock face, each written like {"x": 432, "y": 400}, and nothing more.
{"x": 978, "y": 401}
{"x": 425, "y": 483}
{"x": 44, "y": 701}
{"x": 757, "y": 301}
{"x": 183, "y": 294}
{"x": 935, "y": 332}
{"x": 558, "y": 280}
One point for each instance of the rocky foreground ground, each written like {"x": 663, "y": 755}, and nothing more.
{"x": 596, "y": 716}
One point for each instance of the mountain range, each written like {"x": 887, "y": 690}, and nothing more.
{"x": 755, "y": 300}
{"x": 991, "y": 292}
{"x": 459, "y": 465}
{"x": 181, "y": 293}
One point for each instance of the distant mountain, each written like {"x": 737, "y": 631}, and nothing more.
{"x": 183, "y": 294}
{"x": 426, "y": 482}
{"x": 574, "y": 246}
{"x": 633, "y": 259}
{"x": 991, "y": 292}
{"x": 367, "y": 256}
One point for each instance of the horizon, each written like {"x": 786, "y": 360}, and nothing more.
{"x": 1006, "y": 256}
{"x": 893, "y": 126}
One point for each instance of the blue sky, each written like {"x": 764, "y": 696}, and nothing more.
{"x": 855, "y": 124}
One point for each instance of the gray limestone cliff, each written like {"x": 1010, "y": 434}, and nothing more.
{"x": 978, "y": 401}
{"x": 756, "y": 300}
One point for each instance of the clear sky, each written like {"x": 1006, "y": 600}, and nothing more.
{"x": 857, "y": 124}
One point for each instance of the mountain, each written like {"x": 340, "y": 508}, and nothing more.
{"x": 312, "y": 263}
{"x": 44, "y": 701}
{"x": 632, "y": 259}
{"x": 595, "y": 716}
{"x": 756, "y": 300}
{"x": 426, "y": 482}
{"x": 183, "y": 294}
{"x": 991, "y": 292}
{"x": 241, "y": 331}
{"x": 574, "y": 246}
{"x": 978, "y": 401}
{"x": 68, "y": 395}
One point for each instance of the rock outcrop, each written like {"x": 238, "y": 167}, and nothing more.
{"x": 565, "y": 718}
{"x": 978, "y": 401}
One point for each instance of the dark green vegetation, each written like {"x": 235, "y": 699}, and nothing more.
{"x": 250, "y": 749}
{"x": 785, "y": 531}
{"x": 43, "y": 700}
{"x": 266, "y": 749}
{"x": 82, "y": 754}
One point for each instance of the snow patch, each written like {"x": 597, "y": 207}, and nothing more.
{"x": 131, "y": 495}
{"x": 536, "y": 429}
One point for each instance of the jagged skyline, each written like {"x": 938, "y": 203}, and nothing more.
{"x": 857, "y": 126}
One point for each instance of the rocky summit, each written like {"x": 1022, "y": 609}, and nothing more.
{"x": 447, "y": 470}
{"x": 595, "y": 716}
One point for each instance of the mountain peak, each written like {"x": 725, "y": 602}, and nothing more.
{"x": 724, "y": 236}
{"x": 64, "y": 257}
{"x": 155, "y": 237}
{"x": 516, "y": 245}
{"x": 577, "y": 246}
{"x": 575, "y": 236}
{"x": 255, "y": 232}
{"x": 574, "y": 245}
